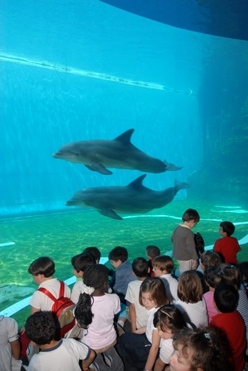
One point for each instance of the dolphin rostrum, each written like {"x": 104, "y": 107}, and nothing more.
{"x": 131, "y": 199}
{"x": 120, "y": 153}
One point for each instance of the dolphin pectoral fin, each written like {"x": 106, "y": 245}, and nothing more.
{"x": 99, "y": 168}
{"x": 110, "y": 213}
{"x": 171, "y": 166}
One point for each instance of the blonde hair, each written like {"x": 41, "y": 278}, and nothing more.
{"x": 189, "y": 287}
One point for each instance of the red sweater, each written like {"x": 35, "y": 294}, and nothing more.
{"x": 233, "y": 325}
{"x": 228, "y": 247}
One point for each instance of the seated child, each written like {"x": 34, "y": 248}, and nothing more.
{"x": 151, "y": 253}
{"x": 42, "y": 270}
{"x": 95, "y": 252}
{"x": 190, "y": 301}
{"x": 123, "y": 271}
{"x": 137, "y": 312}
{"x": 162, "y": 267}
{"x": 227, "y": 246}
{"x": 210, "y": 259}
{"x": 210, "y": 275}
{"x": 201, "y": 349}
{"x": 243, "y": 269}
{"x": 168, "y": 320}
{"x": 230, "y": 322}
{"x": 9, "y": 345}
{"x": 94, "y": 312}
{"x": 140, "y": 349}
{"x": 79, "y": 263}
{"x": 63, "y": 355}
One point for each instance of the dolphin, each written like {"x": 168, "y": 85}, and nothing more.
{"x": 131, "y": 199}
{"x": 120, "y": 153}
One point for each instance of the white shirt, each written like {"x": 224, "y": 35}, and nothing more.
{"x": 171, "y": 284}
{"x": 64, "y": 357}
{"x": 132, "y": 296}
{"x": 150, "y": 327}
{"x": 195, "y": 314}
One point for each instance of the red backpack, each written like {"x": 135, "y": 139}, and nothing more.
{"x": 63, "y": 308}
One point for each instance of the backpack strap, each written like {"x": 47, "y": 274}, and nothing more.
{"x": 48, "y": 293}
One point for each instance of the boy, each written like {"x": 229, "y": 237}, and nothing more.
{"x": 151, "y": 253}
{"x": 95, "y": 252}
{"x": 123, "y": 271}
{"x": 227, "y": 246}
{"x": 62, "y": 355}
{"x": 183, "y": 242}
{"x": 162, "y": 267}
{"x": 79, "y": 263}
{"x": 42, "y": 270}
{"x": 230, "y": 322}
{"x": 137, "y": 313}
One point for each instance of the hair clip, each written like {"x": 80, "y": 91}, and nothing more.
{"x": 207, "y": 336}
{"x": 88, "y": 290}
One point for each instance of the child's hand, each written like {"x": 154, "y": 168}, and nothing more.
{"x": 22, "y": 330}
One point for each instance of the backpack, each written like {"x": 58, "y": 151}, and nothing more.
{"x": 62, "y": 308}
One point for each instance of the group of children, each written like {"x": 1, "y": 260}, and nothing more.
{"x": 140, "y": 314}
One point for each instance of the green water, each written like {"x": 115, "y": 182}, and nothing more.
{"x": 62, "y": 236}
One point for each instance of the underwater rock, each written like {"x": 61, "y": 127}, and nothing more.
{"x": 131, "y": 199}
{"x": 119, "y": 153}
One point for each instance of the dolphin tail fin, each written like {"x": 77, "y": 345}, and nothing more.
{"x": 125, "y": 138}
{"x": 181, "y": 185}
{"x": 171, "y": 167}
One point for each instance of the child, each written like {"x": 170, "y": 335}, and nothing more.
{"x": 227, "y": 246}
{"x": 243, "y": 269}
{"x": 210, "y": 259}
{"x": 79, "y": 263}
{"x": 183, "y": 242}
{"x": 230, "y": 322}
{"x": 151, "y": 253}
{"x": 123, "y": 271}
{"x": 62, "y": 355}
{"x": 95, "y": 311}
{"x": 140, "y": 349}
{"x": 42, "y": 270}
{"x": 95, "y": 252}
{"x": 9, "y": 345}
{"x": 168, "y": 320}
{"x": 190, "y": 301}
{"x": 162, "y": 267}
{"x": 229, "y": 274}
{"x": 201, "y": 349}
{"x": 210, "y": 275}
{"x": 137, "y": 313}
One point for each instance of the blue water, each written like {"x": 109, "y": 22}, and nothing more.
{"x": 78, "y": 70}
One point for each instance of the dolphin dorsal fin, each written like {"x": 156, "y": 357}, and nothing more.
{"x": 125, "y": 137}
{"x": 137, "y": 183}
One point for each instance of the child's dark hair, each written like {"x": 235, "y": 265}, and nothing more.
{"x": 152, "y": 251}
{"x": 191, "y": 214}
{"x": 164, "y": 263}
{"x": 43, "y": 265}
{"x": 156, "y": 288}
{"x": 189, "y": 287}
{"x": 243, "y": 269}
{"x": 205, "y": 348}
{"x": 94, "y": 251}
{"x": 95, "y": 277}
{"x": 211, "y": 276}
{"x": 140, "y": 267}
{"x": 199, "y": 243}
{"x": 41, "y": 327}
{"x": 169, "y": 317}
{"x": 226, "y": 298}
{"x": 118, "y": 253}
{"x": 81, "y": 261}
{"x": 228, "y": 228}
{"x": 210, "y": 259}
{"x": 229, "y": 274}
